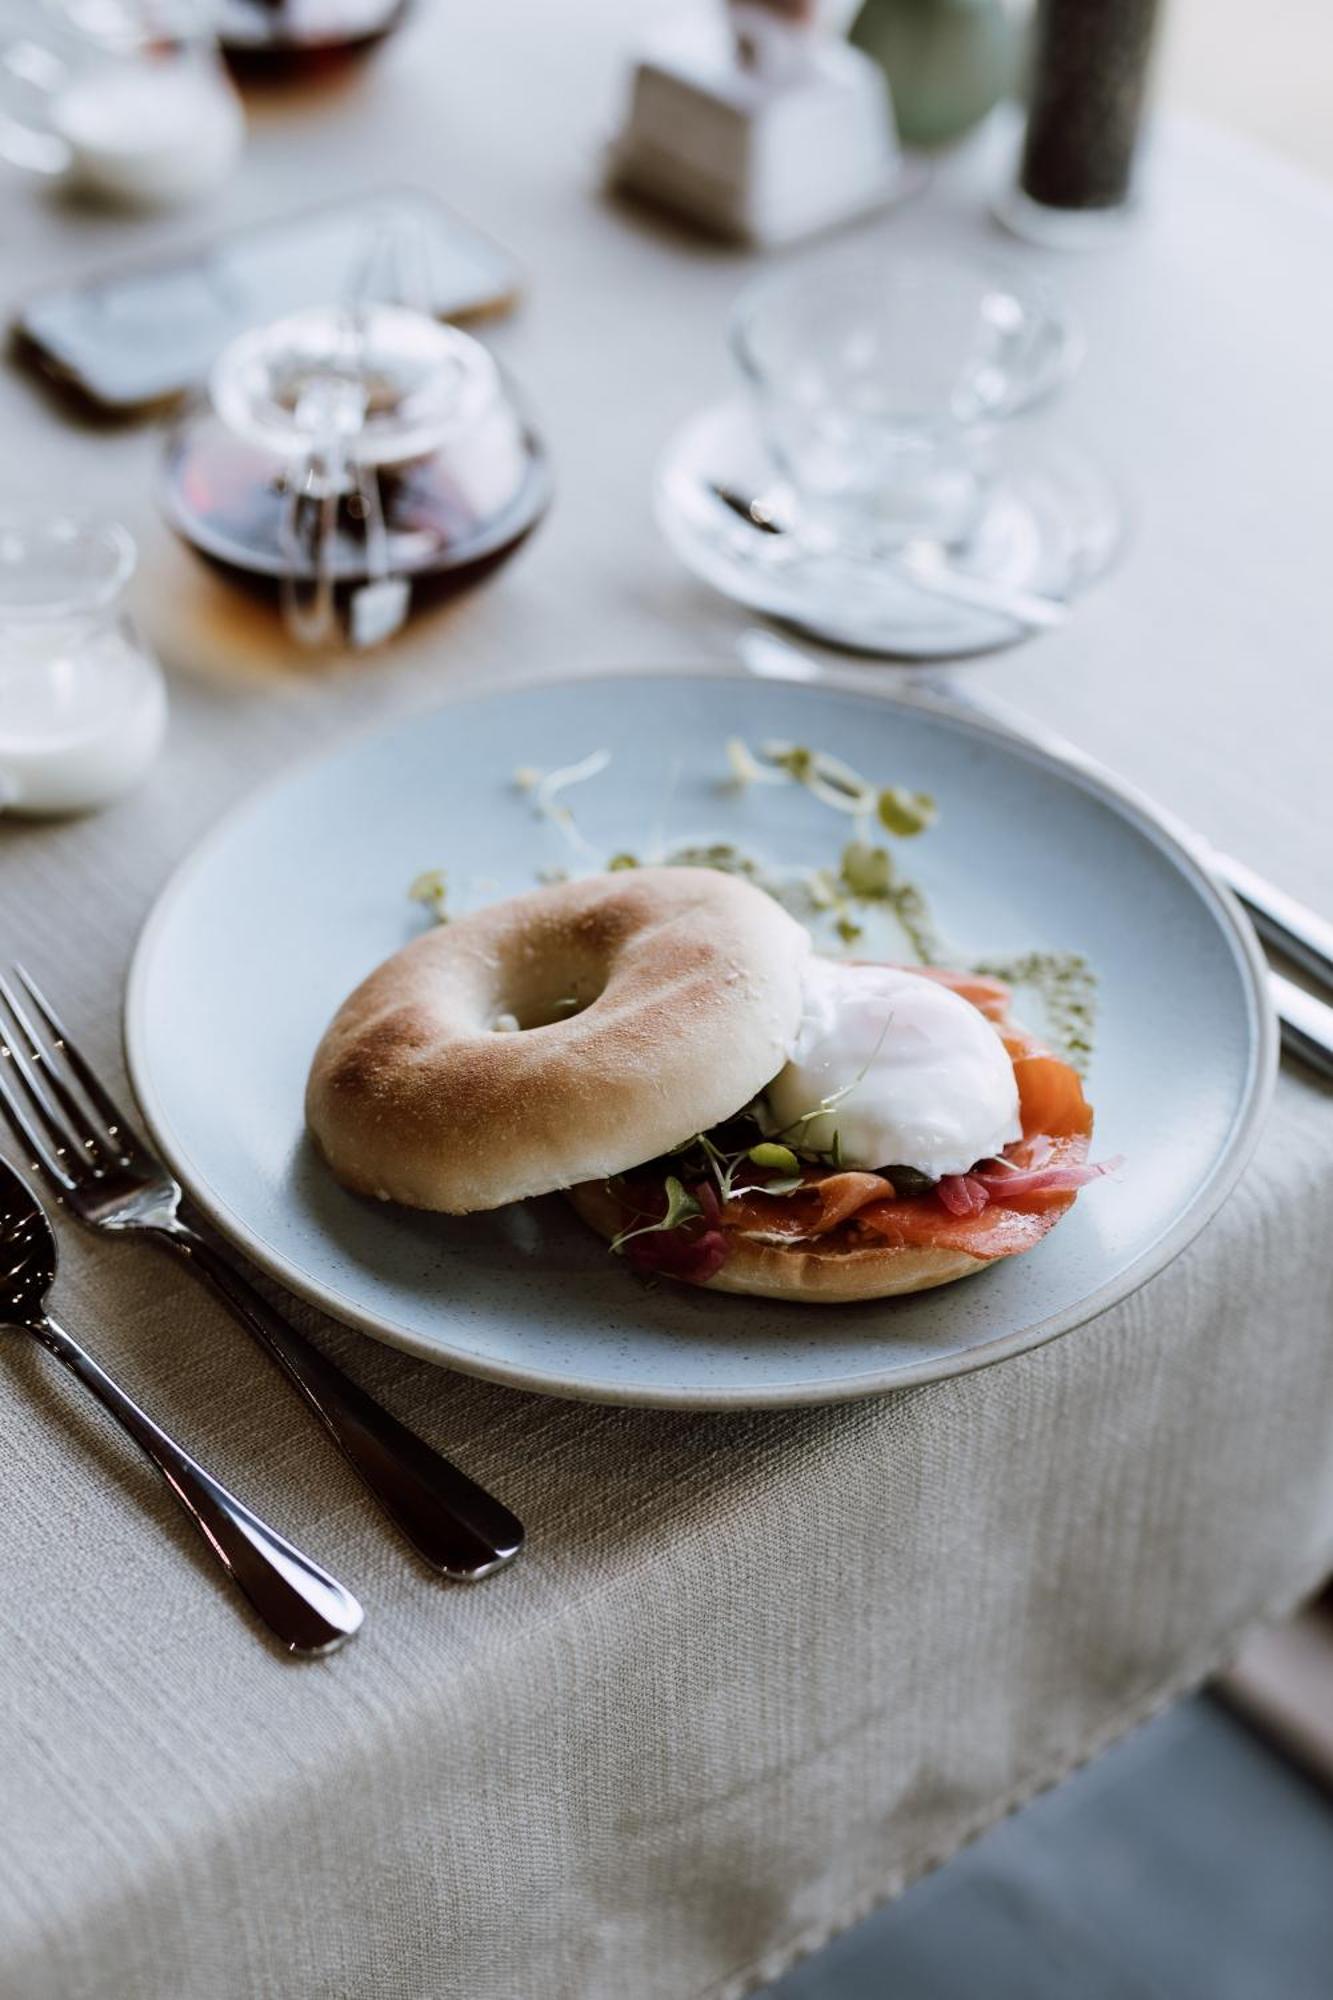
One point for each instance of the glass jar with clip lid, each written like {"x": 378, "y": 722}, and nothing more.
{"x": 352, "y": 463}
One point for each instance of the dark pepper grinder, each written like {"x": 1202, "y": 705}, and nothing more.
{"x": 1088, "y": 82}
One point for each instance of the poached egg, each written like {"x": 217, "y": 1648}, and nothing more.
{"x": 914, "y": 1075}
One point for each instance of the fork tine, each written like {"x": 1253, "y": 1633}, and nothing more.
{"x": 78, "y": 1129}
{"x": 25, "y": 1131}
{"x": 28, "y": 1088}
{"x": 117, "y": 1124}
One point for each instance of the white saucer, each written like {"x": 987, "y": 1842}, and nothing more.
{"x": 1052, "y": 525}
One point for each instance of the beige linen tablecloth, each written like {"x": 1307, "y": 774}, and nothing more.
{"x": 754, "y": 1672}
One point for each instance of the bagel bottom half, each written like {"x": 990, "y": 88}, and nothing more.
{"x": 803, "y": 1273}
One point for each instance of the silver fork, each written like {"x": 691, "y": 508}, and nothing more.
{"x": 302, "y": 1605}
{"x": 111, "y": 1180}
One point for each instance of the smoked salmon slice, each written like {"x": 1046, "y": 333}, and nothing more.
{"x": 1050, "y": 1098}
{"x": 824, "y": 1203}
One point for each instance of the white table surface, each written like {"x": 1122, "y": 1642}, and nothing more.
{"x": 752, "y": 1673}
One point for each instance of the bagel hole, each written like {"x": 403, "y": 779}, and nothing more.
{"x": 541, "y": 1009}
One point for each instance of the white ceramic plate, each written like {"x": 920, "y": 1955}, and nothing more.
{"x": 302, "y": 890}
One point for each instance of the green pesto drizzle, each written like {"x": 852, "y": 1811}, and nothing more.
{"x": 1066, "y": 986}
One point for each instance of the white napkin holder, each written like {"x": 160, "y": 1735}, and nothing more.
{"x": 794, "y": 140}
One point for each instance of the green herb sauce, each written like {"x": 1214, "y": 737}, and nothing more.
{"x": 1066, "y": 986}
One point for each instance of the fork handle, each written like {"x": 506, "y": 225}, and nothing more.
{"x": 457, "y": 1526}
{"x": 302, "y": 1605}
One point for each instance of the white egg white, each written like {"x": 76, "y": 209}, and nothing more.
{"x": 914, "y": 1075}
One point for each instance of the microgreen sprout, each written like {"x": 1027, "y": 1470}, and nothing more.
{"x": 866, "y": 871}
{"x": 545, "y": 787}
{"x": 905, "y": 813}
{"x": 722, "y": 1168}
{"x": 770, "y": 1155}
{"x": 745, "y": 770}
{"x": 560, "y": 780}
{"x": 831, "y": 781}
{"x": 681, "y": 1207}
{"x": 432, "y": 888}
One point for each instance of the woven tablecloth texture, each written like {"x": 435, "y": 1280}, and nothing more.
{"x": 753, "y": 1672}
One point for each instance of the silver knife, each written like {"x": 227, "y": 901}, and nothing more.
{"x": 1307, "y": 1022}
{"x": 1305, "y": 936}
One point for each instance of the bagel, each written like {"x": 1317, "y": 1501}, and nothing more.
{"x": 453, "y": 1078}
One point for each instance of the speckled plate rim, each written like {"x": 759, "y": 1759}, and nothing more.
{"x": 1123, "y": 800}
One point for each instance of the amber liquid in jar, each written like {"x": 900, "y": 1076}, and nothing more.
{"x": 228, "y": 502}
{"x": 290, "y": 40}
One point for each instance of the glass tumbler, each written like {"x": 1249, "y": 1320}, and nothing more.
{"x": 879, "y": 388}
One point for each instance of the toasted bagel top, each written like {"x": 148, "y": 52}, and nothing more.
{"x": 561, "y": 1036}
